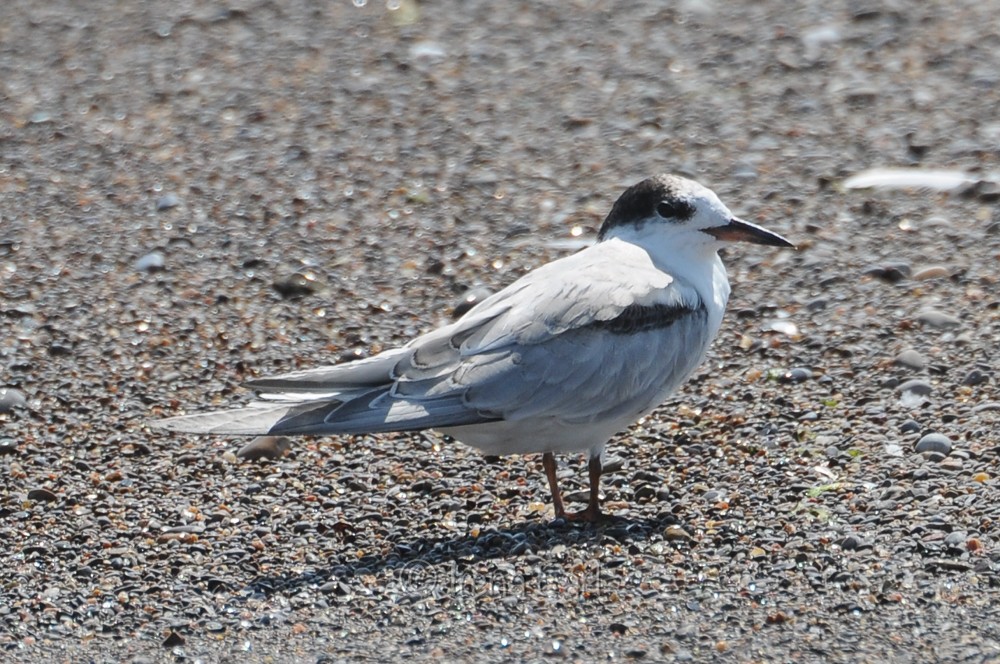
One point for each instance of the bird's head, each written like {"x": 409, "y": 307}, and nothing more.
{"x": 675, "y": 212}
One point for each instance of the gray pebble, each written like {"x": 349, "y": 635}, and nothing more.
{"x": 934, "y": 442}
{"x": 916, "y": 386}
{"x": 151, "y": 262}
{"x": 956, "y": 538}
{"x": 167, "y": 201}
{"x": 911, "y": 359}
{"x": 936, "y": 318}
{"x": 11, "y": 399}
{"x": 909, "y": 426}
{"x": 265, "y": 447}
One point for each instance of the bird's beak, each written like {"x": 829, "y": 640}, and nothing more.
{"x": 738, "y": 230}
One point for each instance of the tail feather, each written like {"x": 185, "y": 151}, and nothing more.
{"x": 347, "y": 377}
{"x": 376, "y": 412}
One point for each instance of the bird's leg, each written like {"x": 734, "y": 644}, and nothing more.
{"x": 549, "y": 463}
{"x": 593, "y": 512}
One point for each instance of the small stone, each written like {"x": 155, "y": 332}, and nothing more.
{"x": 975, "y": 377}
{"x": 911, "y": 359}
{"x": 8, "y": 446}
{"x": 796, "y": 375}
{"x": 265, "y": 447}
{"x": 154, "y": 261}
{"x": 934, "y": 442}
{"x": 173, "y": 640}
{"x": 295, "y": 285}
{"x": 951, "y": 463}
{"x": 931, "y": 272}
{"x": 11, "y": 399}
{"x": 817, "y": 304}
{"x": 42, "y": 496}
{"x": 916, "y": 386}
{"x": 909, "y": 426}
{"x": 167, "y": 201}
{"x": 892, "y": 273}
{"x": 936, "y": 318}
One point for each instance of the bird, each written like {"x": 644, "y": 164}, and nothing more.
{"x": 559, "y": 361}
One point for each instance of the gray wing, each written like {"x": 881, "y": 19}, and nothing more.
{"x": 577, "y": 339}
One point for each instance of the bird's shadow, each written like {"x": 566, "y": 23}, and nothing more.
{"x": 423, "y": 554}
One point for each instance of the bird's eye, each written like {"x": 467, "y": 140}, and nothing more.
{"x": 675, "y": 210}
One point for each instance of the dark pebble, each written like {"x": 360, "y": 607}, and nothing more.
{"x": 975, "y": 377}
{"x": 297, "y": 284}
{"x": 892, "y": 273}
{"x": 934, "y": 442}
{"x": 909, "y": 426}
{"x": 916, "y": 386}
{"x": 797, "y": 375}
{"x": 42, "y": 496}
{"x": 173, "y": 640}
{"x": 8, "y": 446}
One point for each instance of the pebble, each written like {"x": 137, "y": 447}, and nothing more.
{"x": 892, "y": 273}
{"x": 42, "y": 496}
{"x": 937, "y": 318}
{"x": 265, "y": 447}
{"x": 11, "y": 399}
{"x": 909, "y": 426}
{"x": 975, "y": 377}
{"x": 893, "y": 450}
{"x": 796, "y": 375}
{"x": 931, "y": 272}
{"x": 167, "y": 201}
{"x": 295, "y": 285}
{"x": 916, "y": 386}
{"x": 934, "y": 442}
{"x": 154, "y": 261}
{"x": 911, "y": 359}
{"x": 8, "y": 446}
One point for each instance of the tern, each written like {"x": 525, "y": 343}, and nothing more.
{"x": 559, "y": 361}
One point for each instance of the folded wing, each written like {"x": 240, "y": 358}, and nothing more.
{"x": 579, "y": 339}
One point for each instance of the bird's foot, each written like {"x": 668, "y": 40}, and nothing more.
{"x": 592, "y": 514}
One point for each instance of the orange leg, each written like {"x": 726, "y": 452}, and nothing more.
{"x": 593, "y": 511}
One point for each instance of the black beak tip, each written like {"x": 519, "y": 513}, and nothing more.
{"x": 738, "y": 230}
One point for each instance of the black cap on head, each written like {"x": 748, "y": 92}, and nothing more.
{"x": 640, "y": 202}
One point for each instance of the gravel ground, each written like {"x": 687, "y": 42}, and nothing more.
{"x": 193, "y": 194}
